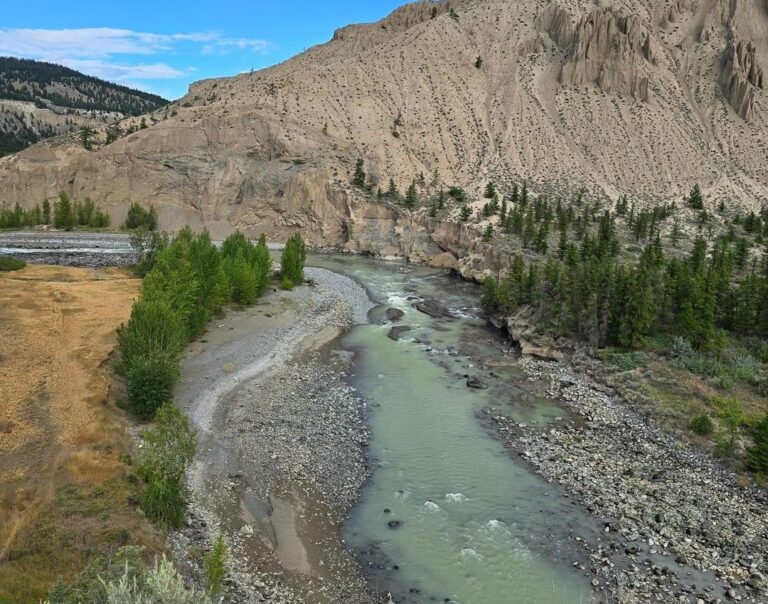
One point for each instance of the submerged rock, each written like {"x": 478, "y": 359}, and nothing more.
{"x": 474, "y": 381}
{"x": 432, "y": 308}
{"x": 396, "y": 332}
{"x": 394, "y": 314}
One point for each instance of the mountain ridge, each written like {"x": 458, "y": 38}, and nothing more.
{"x": 39, "y": 99}
{"x": 636, "y": 97}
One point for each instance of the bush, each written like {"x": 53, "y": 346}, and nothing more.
{"x": 10, "y": 263}
{"x": 292, "y": 262}
{"x": 626, "y": 361}
{"x": 160, "y": 585}
{"x": 286, "y": 284}
{"x": 140, "y": 218}
{"x": 169, "y": 448}
{"x": 150, "y": 379}
{"x": 702, "y": 425}
{"x": 146, "y": 246}
{"x": 215, "y": 565}
{"x": 757, "y": 460}
{"x": 153, "y": 328}
{"x": 243, "y": 281}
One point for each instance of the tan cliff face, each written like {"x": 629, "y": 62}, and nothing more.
{"x": 645, "y": 97}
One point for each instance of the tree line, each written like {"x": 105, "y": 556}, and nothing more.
{"x": 187, "y": 281}
{"x": 64, "y": 213}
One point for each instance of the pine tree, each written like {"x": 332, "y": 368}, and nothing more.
{"x": 46, "y": 212}
{"x": 490, "y": 191}
{"x": 358, "y": 178}
{"x": 411, "y": 197}
{"x": 392, "y": 192}
{"x": 695, "y": 198}
{"x": 488, "y": 233}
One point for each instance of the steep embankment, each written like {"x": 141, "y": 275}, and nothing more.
{"x": 640, "y": 97}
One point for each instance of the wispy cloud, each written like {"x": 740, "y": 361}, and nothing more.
{"x": 94, "y": 50}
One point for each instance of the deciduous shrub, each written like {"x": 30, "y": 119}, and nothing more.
{"x": 757, "y": 460}
{"x": 292, "y": 263}
{"x": 10, "y": 263}
{"x": 169, "y": 448}
{"x": 139, "y": 217}
{"x": 702, "y": 425}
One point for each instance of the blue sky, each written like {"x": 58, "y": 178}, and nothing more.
{"x": 162, "y": 46}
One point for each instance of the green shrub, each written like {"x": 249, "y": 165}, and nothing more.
{"x": 757, "y": 459}
{"x": 169, "y": 448}
{"x": 292, "y": 262}
{"x": 702, "y": 425}
{"x": 626, "y": 361}
{"x": 90, "y": 585}
{"x": 243, "y": 281}
{"x": 10, "y": 263}
{"x": 286, "y": 284}
{"x": 153, "y": 328}
{"x": 159, "y": 585}
{"x": 150, "y": 379}
{"x": 140, "y": 218}
{"x": 215, "y": 565}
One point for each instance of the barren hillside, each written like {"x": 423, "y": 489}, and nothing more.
{"x": 645, "y": 97}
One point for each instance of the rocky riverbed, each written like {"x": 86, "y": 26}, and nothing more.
{"x": 282, "y": 445}
{"x": 678, "y": 527}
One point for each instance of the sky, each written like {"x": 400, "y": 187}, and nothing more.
{"x": 162, "y": 46}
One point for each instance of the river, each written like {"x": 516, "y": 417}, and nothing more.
{"x": 449, "y": 515}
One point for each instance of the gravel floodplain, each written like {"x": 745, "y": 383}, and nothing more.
{"x": 678, "y": 526}
{"x": 282, "y": 444}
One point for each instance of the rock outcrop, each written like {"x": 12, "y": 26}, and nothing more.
{"x": 743, "y": 75}
{"x": 607, "y": 48}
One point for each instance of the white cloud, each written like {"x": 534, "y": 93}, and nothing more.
{"x": 102, "y": 42}
{"x": 92, "y": 50}
{"x": 119, "y": 72}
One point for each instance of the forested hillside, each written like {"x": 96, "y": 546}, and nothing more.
{"x": 39, "y": 100}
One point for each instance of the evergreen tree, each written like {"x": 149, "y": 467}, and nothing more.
{"x": 490, "y": 190}
{"x": 695, "y": 198}
{"x": 488, "y": 233}
{"x": 358, "y": 178}
{"x": 46, "y": 212}
{"x": 411, "y": 197}
{"x": 392, "y": 192}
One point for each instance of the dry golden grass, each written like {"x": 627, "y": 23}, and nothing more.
{"x": 64, "y": 489}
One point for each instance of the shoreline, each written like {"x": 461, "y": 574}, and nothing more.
{"x": 281, "y": 456}
{"x": 677, "y": 526}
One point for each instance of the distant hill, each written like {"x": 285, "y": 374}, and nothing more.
{"x": 39, "y": 100}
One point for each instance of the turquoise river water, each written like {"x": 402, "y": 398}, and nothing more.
{"x": 449, "y": 515}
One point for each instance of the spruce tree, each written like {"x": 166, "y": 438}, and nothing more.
{"x": 358, "y": 178}
{"x": 411, "y": 197}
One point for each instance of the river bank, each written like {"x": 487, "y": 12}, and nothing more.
{"x": 679, "y": 527}
{"x": 282, "y": 444}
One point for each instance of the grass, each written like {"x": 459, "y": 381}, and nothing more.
{"x": 81, "y": 521}
{"x": 11, "y": 263}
